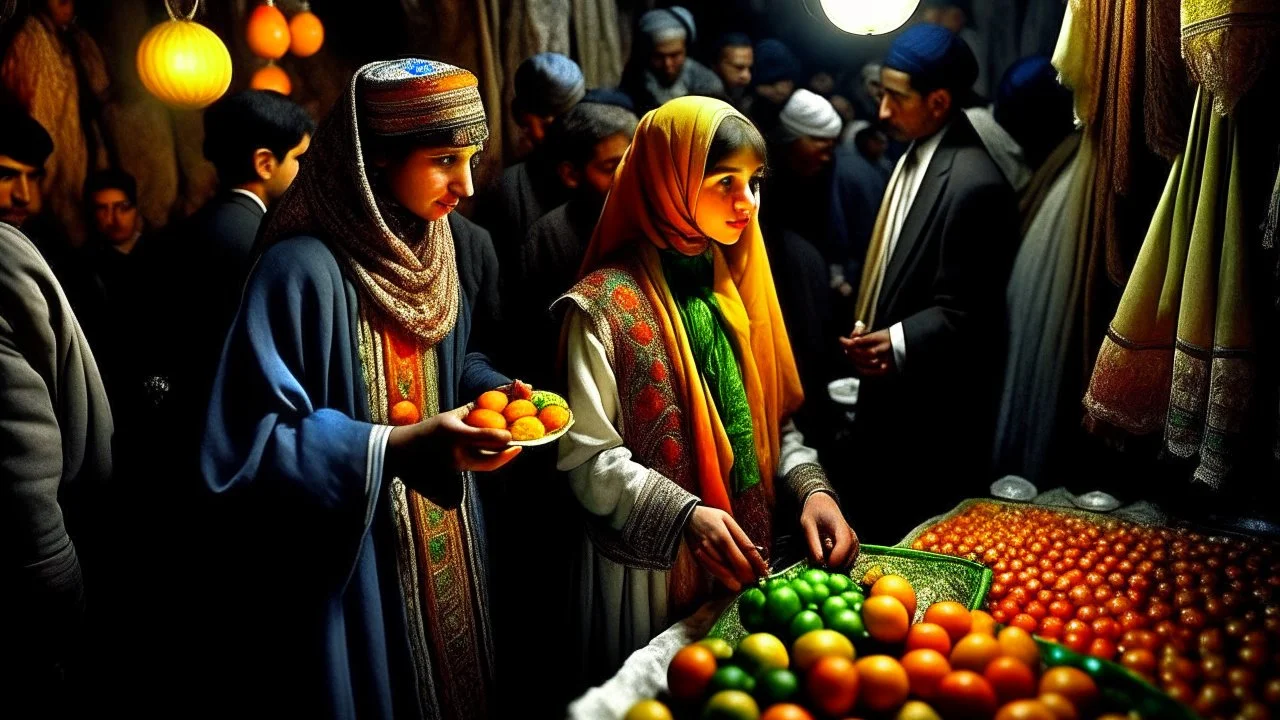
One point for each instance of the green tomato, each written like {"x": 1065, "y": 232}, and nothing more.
{"x": 773, "y": 584}
{"x": 820, "y": 593}
{"x": 804, "y": 590}
{"x": 848, "y": 623}
{"x": 752, "y": 599}
{"x": 838, "y": 583}
{"x": 833, "y": 605}
{"x": 782, "y": 605}
{"x": 815, "y": 576}
{"x": 776, "y": 686}
{"x": 803, "y": 622}
{"x": 731, "y": 677}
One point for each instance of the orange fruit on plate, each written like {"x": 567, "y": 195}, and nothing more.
{"x": 883, "y": 683}
{"x": 929, "y": 635}
{"x": 898, "y": 587}
{"x": 925, "y": 669}
{"x": 1018, "y": 643}
{"x": 832, "y": 685}
{"x": 482, "y": 418}
{"x": 690, "y": 672}
{"x": 518, "y": 409}
{"x": 1011, "y": 679}
{"x": 886, "y": 619}
{"x": 553, "y": 417}
{"x": 951, "y": 615}
{"x": 974, "y": 651}
{"x": 494, "y": 400}
{"x": 964, "y": 694}
{"x": 527, "y": 428}
{"x": 1072, "y": 683}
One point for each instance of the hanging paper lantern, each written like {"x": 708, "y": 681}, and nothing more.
{"x": 268, "y": 32}
{"x": 864, "y": 17}
{"x": 271, "y": 77}
{"x": 306, "y": 34}
{"x": 183, "y": 63}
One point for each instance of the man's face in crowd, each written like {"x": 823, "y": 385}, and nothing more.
{"x": 809, "y": 155}
{"x": 19, "y": 190}
{"x": 734, "y": 67}
{"x": 115, "y": 216}
{"x": 667, "y": 60}
{"x": 597, "y": 176}
{"x": 905, "y": 113}
{"x": 777, "y": 93}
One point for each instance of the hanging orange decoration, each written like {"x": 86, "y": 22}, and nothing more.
{"x": 306, "y": 33}
{"x": 267, "y": 32}
{"x": 271, "y": 77}
{"x": 183, "y": 63}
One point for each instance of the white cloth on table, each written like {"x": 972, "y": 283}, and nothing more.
{"x": 644, "y": 674}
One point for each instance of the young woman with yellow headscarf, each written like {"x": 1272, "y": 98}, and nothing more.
{"x": 683, "y": 384}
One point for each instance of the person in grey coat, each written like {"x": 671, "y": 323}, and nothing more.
{"x": 55, "y": 452}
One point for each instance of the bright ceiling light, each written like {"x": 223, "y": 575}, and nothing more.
{"x": 869, "y": 17}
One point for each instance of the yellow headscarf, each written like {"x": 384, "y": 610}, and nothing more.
{"x": 655, "y": 198}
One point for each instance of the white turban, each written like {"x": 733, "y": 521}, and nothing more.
{"x": 808, "y": 113}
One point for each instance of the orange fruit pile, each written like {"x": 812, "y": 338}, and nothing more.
{"x": 952, "y": 664}
{"x": 517, "y": 410}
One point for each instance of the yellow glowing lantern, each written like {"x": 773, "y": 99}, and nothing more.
{"x": 183, "y": 63}
{"x": 267, "y": 32}
{"x": 869, "y": 17}
{"x": 306, "y": 33}
{"x": 271, "y": 77}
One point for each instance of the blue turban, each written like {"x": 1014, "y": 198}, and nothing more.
{"x": 773, "y": 61}
{"x": 548, "y": 84}
{"x": 934, "y": 57}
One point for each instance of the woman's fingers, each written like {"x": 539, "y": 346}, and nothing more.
{"x": 748, "y": 548}
{"x": 846, "y": 547}
{"x": 716, "y": 568}
{"x": 475, "y": 462}
{"x": 813, "y": 539}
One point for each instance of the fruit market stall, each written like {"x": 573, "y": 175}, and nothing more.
{"x": 994, "y": 610}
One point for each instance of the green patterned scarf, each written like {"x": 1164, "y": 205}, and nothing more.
{"x": 690, "y": 280}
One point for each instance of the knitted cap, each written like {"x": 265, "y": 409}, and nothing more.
{"x": 423, "y": 99}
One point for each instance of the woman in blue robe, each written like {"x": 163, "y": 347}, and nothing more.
{"x": 349, "y": 534}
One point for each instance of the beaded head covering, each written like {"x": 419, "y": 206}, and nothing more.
{"x": 401, "y": 264}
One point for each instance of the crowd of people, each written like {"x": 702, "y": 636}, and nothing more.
{"x": 242, "y": 419}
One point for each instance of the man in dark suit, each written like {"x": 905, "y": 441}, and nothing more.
{"x": 928, "y": 344}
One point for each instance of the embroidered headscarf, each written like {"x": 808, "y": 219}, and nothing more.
{"x": 404, "y": 266}
{"x": 652, "y": 207}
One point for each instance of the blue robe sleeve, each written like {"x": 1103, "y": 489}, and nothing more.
{"x": 285, "y": 413}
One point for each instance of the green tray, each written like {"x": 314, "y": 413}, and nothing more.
{"x": 1121, "y": 689}
{"x": 935, "y": 577}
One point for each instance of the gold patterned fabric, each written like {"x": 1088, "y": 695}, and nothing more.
{"x": 448, "y": 639}
{"x": 403, "y": 265}
{"x": 1179, "y": 354}
{"x": 1227, "y": 44}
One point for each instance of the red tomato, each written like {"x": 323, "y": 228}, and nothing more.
{"x": 1010, "y": 678}
{"x": 965, "y": 694}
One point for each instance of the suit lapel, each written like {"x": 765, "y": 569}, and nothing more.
{"x": 922, "y": 210}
